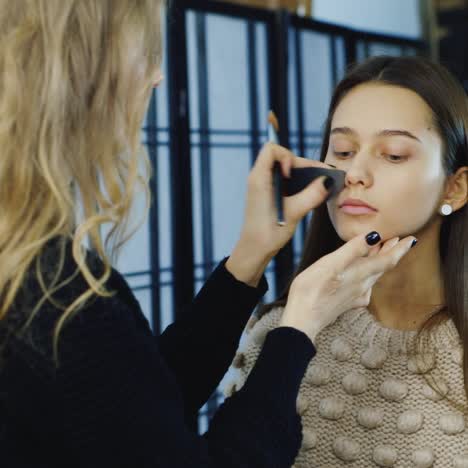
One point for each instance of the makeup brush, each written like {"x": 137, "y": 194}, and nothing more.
{"x": 273, "y": 129}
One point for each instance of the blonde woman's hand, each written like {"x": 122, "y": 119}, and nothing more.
{"x": 261, "y": 237}
{"x": 260, "y": 226}
{"x": 340, "y": 281}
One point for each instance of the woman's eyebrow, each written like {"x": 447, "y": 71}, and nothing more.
{"x": 351, "y": 132}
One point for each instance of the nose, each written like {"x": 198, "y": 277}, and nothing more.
{"x": 358, "y": 171}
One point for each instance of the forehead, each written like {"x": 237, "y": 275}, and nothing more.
{"x": 371, "y": 107}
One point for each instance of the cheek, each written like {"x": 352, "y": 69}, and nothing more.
{"x": 415, "y": 194}
{"x": 408, "y": 209}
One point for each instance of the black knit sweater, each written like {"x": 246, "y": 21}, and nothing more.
{"x": 121, "y": 396}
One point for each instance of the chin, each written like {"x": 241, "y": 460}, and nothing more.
{"x": 346, "y": 233}
{"x": 348, "y": 227}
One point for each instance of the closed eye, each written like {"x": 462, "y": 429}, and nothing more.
{"x": 342, "y": 153}
{"x": 400, "y": 158}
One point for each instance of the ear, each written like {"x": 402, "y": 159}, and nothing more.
{"x": 456, "y": 193}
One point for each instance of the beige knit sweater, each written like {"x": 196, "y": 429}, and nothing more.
{"x": 364, "y": 400}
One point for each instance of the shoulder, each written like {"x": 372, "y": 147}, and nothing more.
{"x": 97, "y": 317}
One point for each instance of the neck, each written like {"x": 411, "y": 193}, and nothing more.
{"x": 406, "y": 296}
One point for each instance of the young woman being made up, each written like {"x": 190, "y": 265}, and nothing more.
{"x": 388, "y": 385}
{"x": 83, "y": 381}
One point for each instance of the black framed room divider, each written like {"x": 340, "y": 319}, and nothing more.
{"x": 225, "y": 67}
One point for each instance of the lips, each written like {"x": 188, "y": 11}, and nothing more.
{"x": 356, "y": 206}
{"x": 356, "y": 202}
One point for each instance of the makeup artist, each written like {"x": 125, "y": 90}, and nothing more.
{"x": 83, "y": 381}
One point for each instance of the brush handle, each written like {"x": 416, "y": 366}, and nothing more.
{"x": 277, "y": 177}
{"x": 272, "y": 135}
{"x": 279, "y": 190}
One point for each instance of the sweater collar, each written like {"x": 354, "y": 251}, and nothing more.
{"x": 362, "y": 324}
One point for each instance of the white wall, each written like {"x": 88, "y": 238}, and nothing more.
{"x": 397, "y": 17}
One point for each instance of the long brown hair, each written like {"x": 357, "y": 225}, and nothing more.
{"x": 75, "y": 80}
{"x": 448, "y": 102}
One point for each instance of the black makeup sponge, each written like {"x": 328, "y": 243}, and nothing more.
{"x": 301, "y": 177}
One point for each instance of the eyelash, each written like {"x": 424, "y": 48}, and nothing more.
{"x": 401, "y": 158}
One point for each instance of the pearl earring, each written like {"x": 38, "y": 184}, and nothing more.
{"x": 446, "y": 209}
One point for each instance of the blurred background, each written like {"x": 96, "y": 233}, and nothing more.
{"x": 226, "y": 64}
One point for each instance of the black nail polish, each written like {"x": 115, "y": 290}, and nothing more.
{"x": 373, "y": 238}
{"x": 415, "y": 241}
{"x": 328, "y": 182}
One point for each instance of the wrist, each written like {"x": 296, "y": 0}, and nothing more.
{"x": 308, "y": 327}
{"x": 311, "y": 334}
{"x": 247, "y": 266}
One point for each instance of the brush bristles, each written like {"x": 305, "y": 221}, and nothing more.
{"x": 273, "y": 120}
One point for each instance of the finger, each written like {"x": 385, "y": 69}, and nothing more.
{"x": 286, "y": 165}
{"x": 374, "y": 250}
{"x": 389, "y": 244}
{"x": 299, "y": 162}
{"x": 297, "y": 206}
{"x": 272, "y": 153}
{"x": 349, "y": 252}
{"x": 387, "y": 260}
{"x": 266, "y": 159}
{"x": 305, "y": 162}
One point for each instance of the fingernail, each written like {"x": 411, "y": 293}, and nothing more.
{"x": 415, "y": 241}
{"x": 373, "y": 238}
{"x": 328, "y": 182}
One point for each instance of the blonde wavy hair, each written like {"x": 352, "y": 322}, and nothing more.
{"x": 75, "y": 80}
